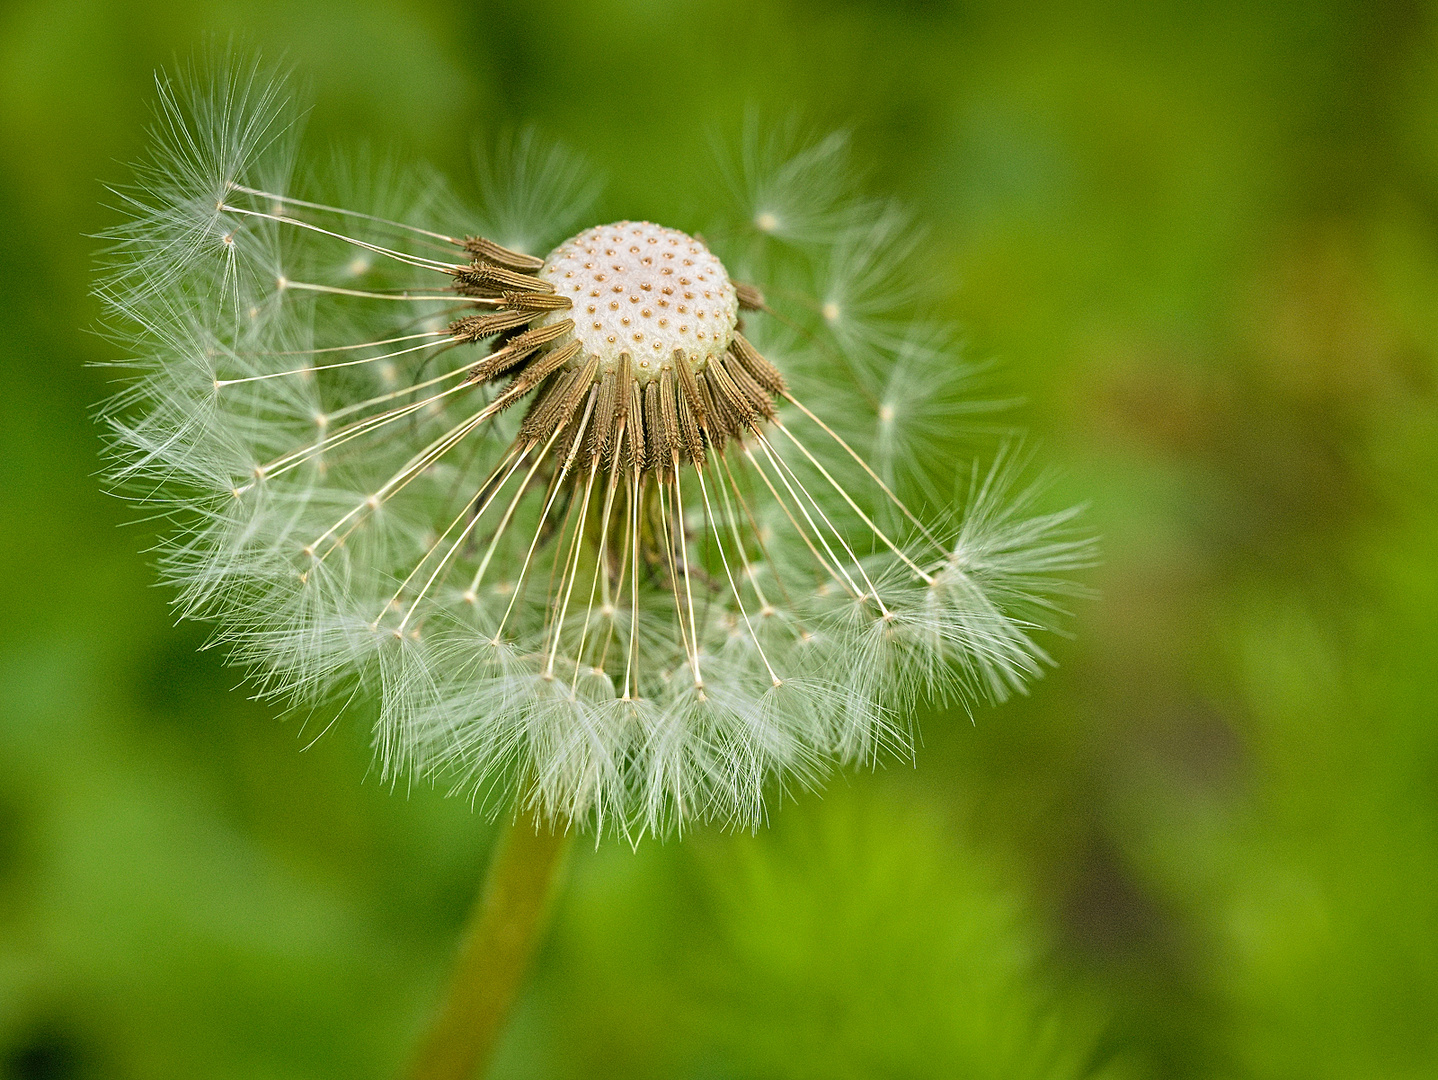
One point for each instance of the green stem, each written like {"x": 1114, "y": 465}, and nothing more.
{"x": 499, "y": 941}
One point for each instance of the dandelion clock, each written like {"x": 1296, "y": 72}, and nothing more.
{"x": 612, "y": 526}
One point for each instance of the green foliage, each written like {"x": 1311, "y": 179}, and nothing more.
{"x": 860, "y": 936}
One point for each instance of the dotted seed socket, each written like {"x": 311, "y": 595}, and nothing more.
{"x": 644, "y": 290}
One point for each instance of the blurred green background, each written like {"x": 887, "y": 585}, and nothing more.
{"x": 1201, "y": 239}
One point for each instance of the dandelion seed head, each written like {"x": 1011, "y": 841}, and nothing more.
{"x": 586, "y": 540}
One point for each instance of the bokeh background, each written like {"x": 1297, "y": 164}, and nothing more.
{"x": 1200, "y": 241}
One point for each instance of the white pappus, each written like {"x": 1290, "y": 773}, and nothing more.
{"x": 597, "y": 525}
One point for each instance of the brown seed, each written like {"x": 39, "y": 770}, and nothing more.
{"x": 489, "y": 251}
{"x": 601, "y": 424}
{"x": 556, "y": 405}
{"x": 755, "y": 395}
{"x": 634, "y": 425}
{"x": 717, "y": 427}
{"x": 518, "y": 348}
{"x": 691, "y": 439}
{"x": 763, "y": 372}
{"x": 531, "y": 301}
{"x": 658, "y": 457}
{"x": 688, "y": 385}
{"x": 486, "y": 279}
{"x": 478, "y": 327}
{"x": 669, "y": 415}
{"x": 543, "y": 366}
{"x": 750, "y": 298}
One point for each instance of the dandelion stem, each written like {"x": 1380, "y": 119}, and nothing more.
{"x": 499, "y": 941}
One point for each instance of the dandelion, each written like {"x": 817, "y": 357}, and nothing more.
{"x": 596, "y": 524}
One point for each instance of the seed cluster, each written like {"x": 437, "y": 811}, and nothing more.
{"x": 637, "y": 598}
{"x": 629, "y": 334}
